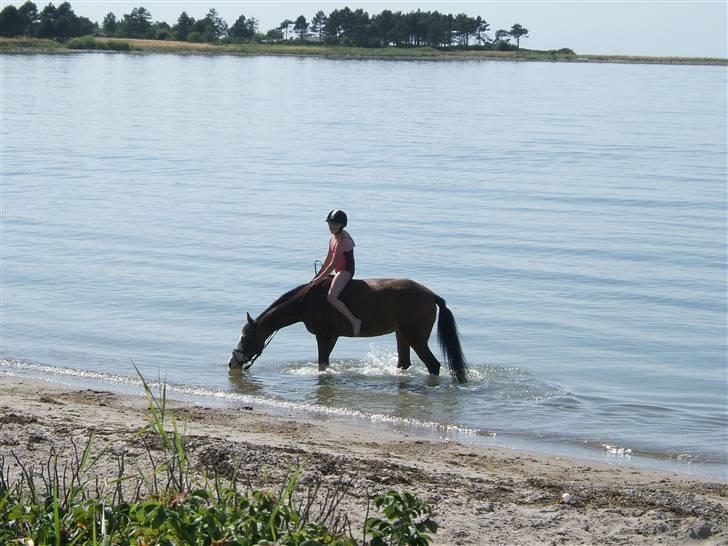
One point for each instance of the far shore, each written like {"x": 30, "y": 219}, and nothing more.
{"x": 480, "y": 495}
{"x": 129, "y": 45}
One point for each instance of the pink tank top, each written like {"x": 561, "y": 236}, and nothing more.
{"x": 345, "y": 261}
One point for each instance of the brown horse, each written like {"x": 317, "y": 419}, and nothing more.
{"x": 385, "y": 305}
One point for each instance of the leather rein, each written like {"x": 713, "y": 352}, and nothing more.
{"x": 245, "y": 362}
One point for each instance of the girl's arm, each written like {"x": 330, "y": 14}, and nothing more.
{"x": 326, "y": 267}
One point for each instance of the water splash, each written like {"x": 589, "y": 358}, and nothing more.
{"x": 379, "y": 362}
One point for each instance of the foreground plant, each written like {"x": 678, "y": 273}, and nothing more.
{"x": 61, "y": 505}
{"x": 408, "y": 520}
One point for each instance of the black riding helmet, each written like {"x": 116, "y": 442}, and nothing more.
{"x": 337, "y": 216}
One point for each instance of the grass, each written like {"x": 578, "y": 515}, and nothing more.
{"x": 65, "y": 503}
{"x": 314, "y": 50}
{"x": 653, "y": 60}
{"x": 29, "y": 44}
{"x": 158, "y": 45}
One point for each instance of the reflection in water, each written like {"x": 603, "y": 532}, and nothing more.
{"x": 243, "y": 383}
{"x": 397, "y": 394}
{"x": 433, "y": 381}
{"x": 434, "y": 398}
{"x": 326, "y": 389}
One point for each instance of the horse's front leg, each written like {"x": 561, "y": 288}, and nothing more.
{"x": 403, "y": 351}
{"x": 325, "y": 346}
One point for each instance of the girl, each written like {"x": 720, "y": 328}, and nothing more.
{"x": 340, "y": 259}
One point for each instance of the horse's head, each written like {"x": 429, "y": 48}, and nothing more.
{"x": 249, "y": 347}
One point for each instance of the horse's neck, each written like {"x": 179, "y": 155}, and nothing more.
{"x": 279, "y": 317}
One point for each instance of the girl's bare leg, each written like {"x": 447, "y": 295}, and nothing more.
{"x": 337, "y": 285}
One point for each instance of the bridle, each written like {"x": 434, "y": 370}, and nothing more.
{"x": 246, "y": 362}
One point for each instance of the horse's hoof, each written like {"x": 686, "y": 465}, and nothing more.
{"x": 404, "y": 366}
{"x": 323, "y": 367}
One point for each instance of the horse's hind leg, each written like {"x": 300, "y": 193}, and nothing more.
{"x": 403, "y": 351}
{"x": 423, "y": 351}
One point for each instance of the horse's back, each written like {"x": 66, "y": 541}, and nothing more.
{"x": 391, "y": 287}
{"x": 406, "y": 305}
{"x": 399, "y": 298}
{"x": 384, "y": 306}
{"x": 391, "y": 283}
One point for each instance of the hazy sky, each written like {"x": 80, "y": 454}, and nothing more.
{"x": 664, "y": 28}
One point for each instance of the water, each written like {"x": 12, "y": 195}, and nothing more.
{"x": 573, "y": 216}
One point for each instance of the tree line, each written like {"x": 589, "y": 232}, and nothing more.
{"x": 340, "y": 27}
{"x": 59, "y": 23}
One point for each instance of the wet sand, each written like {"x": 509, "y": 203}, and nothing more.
{"x": 480, "y": 495}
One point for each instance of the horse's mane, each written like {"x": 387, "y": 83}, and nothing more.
{"x": 285, "y": 298}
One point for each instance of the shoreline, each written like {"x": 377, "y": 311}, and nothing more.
{"x": 480, "y": 494}
{"x": 589, "y": 451}
{"x": 141, "y": 46}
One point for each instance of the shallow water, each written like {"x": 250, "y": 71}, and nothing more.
{"x": 572, "y": 215}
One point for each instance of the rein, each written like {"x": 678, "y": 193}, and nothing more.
{"x": 252, "y": 360}
{"x": 245, "y": 362}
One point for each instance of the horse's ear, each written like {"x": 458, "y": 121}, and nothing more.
{"x": 250, "y": 320}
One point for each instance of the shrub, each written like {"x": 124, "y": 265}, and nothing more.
{"x": 502, "y": 45}
{"x": 408, "y": 520}
{"x": 118, "y": 46}
{"x": 89, "y": 42}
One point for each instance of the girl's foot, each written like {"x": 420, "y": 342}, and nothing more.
{"x": 356, "y": 325}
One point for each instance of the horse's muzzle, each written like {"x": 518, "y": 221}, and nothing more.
{"x": 237, "y": 359}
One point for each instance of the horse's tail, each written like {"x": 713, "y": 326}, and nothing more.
{"x": 447, "y": 334}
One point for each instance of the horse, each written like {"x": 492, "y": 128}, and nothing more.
{"x": 401, "y": 306}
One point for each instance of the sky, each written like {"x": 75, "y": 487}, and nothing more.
{"x": 626, "y": 27}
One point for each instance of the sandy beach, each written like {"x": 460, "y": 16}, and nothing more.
{"x": 479, "y": 495}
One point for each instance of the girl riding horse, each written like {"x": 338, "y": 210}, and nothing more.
{"x": 340, "y": 260}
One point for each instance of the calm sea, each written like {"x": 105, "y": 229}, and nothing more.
{"x": 572, "y": 215}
